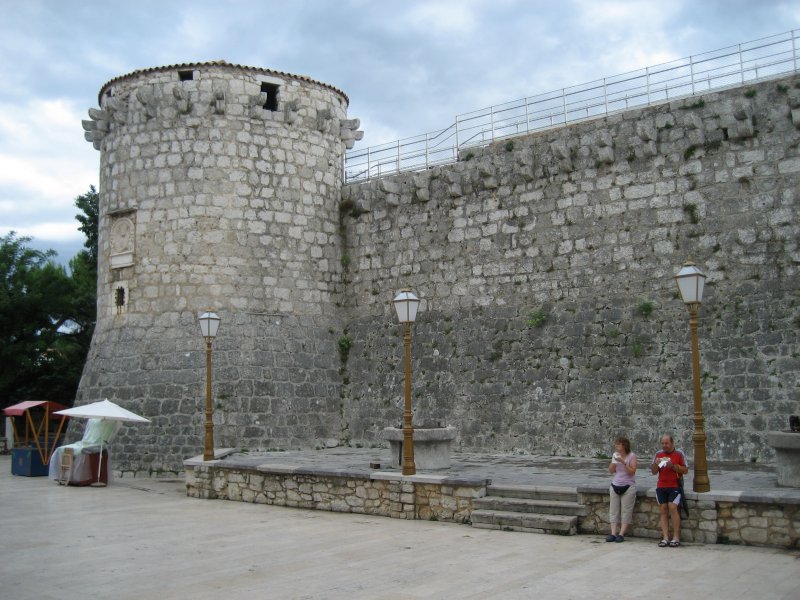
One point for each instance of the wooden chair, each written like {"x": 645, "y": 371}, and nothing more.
{"x": 66, "y": 466}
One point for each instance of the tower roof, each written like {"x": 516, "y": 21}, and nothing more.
{"x": 220, "y": 63}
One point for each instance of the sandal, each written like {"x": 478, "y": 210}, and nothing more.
{"x": 674, "y": 543}
{"x": 663, "y": 544}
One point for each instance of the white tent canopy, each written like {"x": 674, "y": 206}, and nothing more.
{"x": 105, "y": 409}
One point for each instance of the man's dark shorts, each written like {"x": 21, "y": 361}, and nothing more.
{"x": 665, "y": 495}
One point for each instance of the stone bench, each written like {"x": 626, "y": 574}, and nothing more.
{"x": 787, "y": 456}
{"x": 431, "y": 446}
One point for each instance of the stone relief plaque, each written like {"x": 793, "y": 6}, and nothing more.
{"x": 122, "y": 243}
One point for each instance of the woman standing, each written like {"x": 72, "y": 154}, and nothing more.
{"x": 623, "y": 489}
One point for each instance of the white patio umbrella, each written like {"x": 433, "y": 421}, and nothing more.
{"x": 104, "y": 410}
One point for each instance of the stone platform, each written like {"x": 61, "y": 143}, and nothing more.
{"x": 745, "y": 506}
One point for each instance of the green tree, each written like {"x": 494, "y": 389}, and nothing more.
{"x": 89, "y": 204}
{"x": 34, "y": 305}
{"x": 47, "y": 316}
{"x": 83, "y": 269}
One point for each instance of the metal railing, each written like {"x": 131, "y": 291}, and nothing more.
{"x": 747, "y": 62}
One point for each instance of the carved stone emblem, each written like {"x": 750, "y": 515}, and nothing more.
{"x": 122, "y": 243}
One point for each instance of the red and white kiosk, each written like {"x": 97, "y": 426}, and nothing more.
{"x": 37, "y": 432}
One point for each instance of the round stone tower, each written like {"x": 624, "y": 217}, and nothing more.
{"x": 219, "y": 188}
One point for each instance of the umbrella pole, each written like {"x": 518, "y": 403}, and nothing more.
{"x": 99, "y": 483}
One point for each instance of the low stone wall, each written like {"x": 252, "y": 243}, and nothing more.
{"x": 723, "y": 517}
{"x": 714, "y": 518}
{"x": 441, "y": 502}
{"x": 383, "y": 494}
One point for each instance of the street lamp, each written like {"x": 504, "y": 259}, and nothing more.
{"x": 691, "y": 282}
{"x": 406, "y": 305}
{"x": 209, "y": 323}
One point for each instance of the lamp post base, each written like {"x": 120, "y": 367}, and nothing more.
{"x": 701, "y": 484}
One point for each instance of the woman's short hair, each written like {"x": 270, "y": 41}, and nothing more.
{"x": 626, "y": 443}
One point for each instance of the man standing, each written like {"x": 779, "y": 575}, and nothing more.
{"x": 670, "y": 464}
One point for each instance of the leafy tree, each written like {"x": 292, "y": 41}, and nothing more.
{"x": 89, "y": 204}
{"x": 47, "y": 316}
{"x": 83, "y": 269}
{"x": 33, "y": 289}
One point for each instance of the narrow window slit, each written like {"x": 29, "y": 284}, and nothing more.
{"x": 271, "y": 90}
{"x": 119, "y": 298}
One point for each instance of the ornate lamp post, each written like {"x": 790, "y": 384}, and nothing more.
{"x": 691, "y": 282}
{"x": 209, "y": 323}
{"x": 406, "y": 305}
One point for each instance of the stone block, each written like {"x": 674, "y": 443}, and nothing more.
{"x": 795, "y": 114}
{"x": 791, "y": 165}
{"x": 605, "y": 155}
{"x": 468, "y": 492}
{"x": 754, "y": 535}
{"x": 449, "y": 503}
{"x": 760, "y": 522}
{"x": 354, "y": 502}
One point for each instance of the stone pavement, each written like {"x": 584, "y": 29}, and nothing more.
{"x": 141, "y": 539}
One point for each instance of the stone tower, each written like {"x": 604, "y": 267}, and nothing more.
{"x": 219, "y": 188}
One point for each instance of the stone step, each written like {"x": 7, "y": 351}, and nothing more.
{"x": 532, "y": 523}
{"x": 532, "y": 492}
{"x": 526, "y": 505}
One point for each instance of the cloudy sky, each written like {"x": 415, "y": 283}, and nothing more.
{"x": 408, "y": 66}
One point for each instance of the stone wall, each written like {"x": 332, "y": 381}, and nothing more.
{"x": 713, "y": 518}
{"x": 550, "y": 320}
{"x": 387, "y": 495}
{"x": 719, "y": 517}
{"x": 276, "y": 383}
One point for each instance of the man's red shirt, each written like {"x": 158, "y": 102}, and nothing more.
{"x": 667, "y": 478}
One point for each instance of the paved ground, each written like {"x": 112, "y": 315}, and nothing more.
{"x": 141, "y": 539}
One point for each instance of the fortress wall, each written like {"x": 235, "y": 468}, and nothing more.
{"x": 213, "y": 198}
{"x": 577, "y": 228}
{"x": 535, "y": 258}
